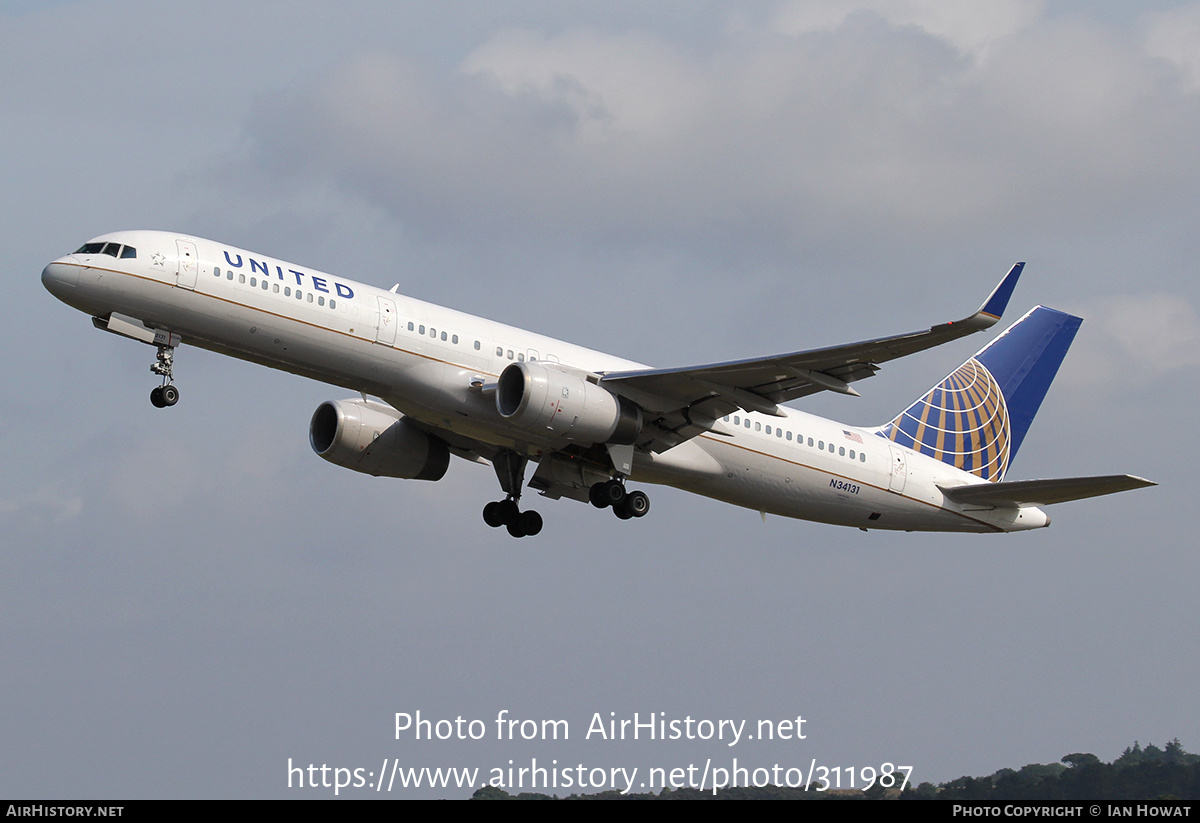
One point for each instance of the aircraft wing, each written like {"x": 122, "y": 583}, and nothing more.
{"x": 681, "y": 403}
{"x": 1012, "y": 493}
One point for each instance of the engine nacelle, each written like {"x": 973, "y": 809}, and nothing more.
{"x": 552, "y": 403}
{"x": 374, "y": 438}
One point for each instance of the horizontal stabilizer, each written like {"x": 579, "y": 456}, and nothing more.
{"x": 1043, "y": 492}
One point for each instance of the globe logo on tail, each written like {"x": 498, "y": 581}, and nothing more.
{"x": 962, "y": 421}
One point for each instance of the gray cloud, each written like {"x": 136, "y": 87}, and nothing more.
{"x": 1135, "y": 339}
{"x": 778, "y": 135}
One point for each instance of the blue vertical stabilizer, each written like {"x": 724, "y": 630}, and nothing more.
{"x": 977, "y": 417}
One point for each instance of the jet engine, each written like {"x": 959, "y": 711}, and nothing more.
{"x": 373, "y": 438}
{"x": 554, "y": 403}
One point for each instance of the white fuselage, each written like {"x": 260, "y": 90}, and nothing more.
{"x": 429, "y": 362}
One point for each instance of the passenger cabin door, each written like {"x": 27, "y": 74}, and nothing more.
{"x": 189, "y": 264}
{"x": 899, "y": 469}
{"x": 385, "y": 331}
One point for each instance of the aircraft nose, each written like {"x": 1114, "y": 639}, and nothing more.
{"x": 60, "y": 279}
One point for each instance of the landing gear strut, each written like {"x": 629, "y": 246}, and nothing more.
{"x": 166, "y": 394}
{"x": 625, "y": 504}
{"x": 510, "y": 469}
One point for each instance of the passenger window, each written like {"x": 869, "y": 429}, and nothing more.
{"x": 758, "y": 427}
{"x": 747, "y": 422}
{"x": 332, "y": 303}
{"x": 310, "y": 297}
{"x": 821, "y": 445}
{"x": 287, "y": 291}
{"x": 241, "y": 278}
{"x": 510, "y": 354}
{"x": 410, "y": 325}
{"x": 768, "y": 429}
{"x": 862, "y": 457}
{"x": 216, "y": 272}
{"x": 499, "y": 351}
{"x": 520, "y": 357}
{"x": 320, "y": 301}
{"x": 266, "y": 285}
{"x": 852, "y": 454}
{"x": 841, "y": 451}
{"x": 421, "y": 329}
{"x": 779, "y": 432}
{"x": 275, "y": 288}
{"x": 299, "y": 296}
{"x": 810, "y": 442}
{"x": 476, "y": 345}
{"x": 443, "y": 337}
{"x": 433, "y": 332}
{"x": 254, "y": 282}
{"x": 229, "y": 274}
{"x": 454, "y": 339}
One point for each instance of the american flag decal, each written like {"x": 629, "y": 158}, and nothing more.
{"x": 852, "y": 436}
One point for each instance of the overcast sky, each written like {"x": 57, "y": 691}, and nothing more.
{"x": 189, "y": 598}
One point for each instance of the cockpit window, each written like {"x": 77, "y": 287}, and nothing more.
{"x": 111, "y": 249}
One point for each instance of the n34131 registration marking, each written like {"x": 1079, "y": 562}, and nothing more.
{"x": 843, "y": 486}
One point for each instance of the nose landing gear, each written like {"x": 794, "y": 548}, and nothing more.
{"x": 166, "y": 394}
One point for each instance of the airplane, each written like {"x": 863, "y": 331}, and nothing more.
{"x": 449, "y": 383}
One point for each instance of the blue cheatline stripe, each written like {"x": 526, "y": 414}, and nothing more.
{"x": 978, "y": 416}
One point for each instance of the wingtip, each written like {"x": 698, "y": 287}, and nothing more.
{"x": 997, "y": 301}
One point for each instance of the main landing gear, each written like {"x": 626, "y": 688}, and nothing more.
{"x": 166, "y": 394}
{"x": 625, "y": 504}
{"x": 507, "y": 513}
{"x": 510, "y": 469}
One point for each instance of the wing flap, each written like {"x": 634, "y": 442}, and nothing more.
{"x": 1016, "y": 493}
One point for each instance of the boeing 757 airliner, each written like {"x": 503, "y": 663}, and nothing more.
{"x": 449, "y": 384}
